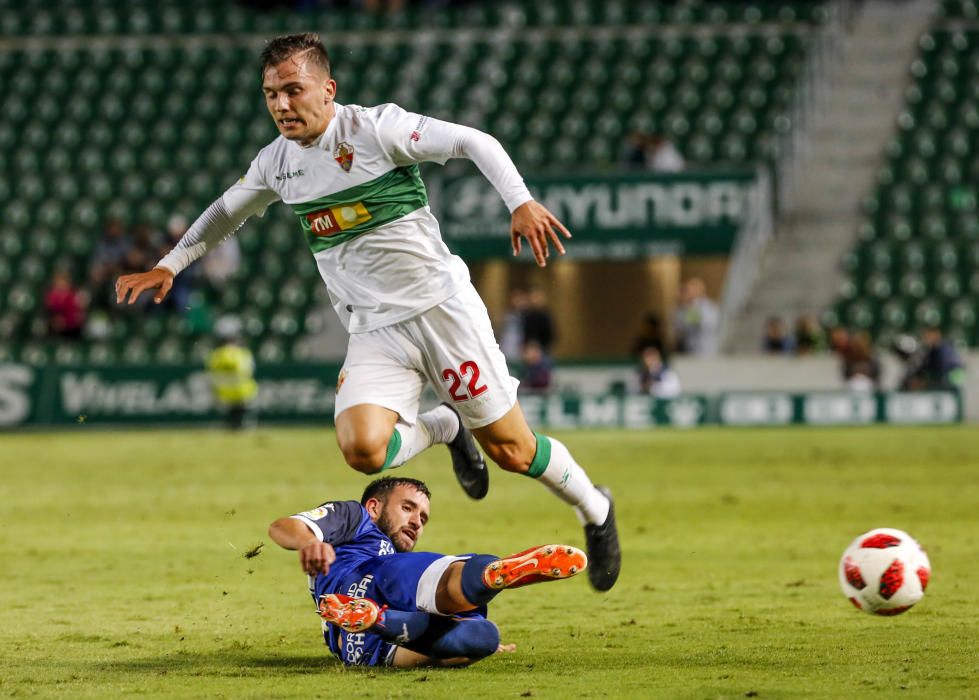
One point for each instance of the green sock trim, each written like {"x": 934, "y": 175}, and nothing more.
{"x": 542, "y": 457}
{"x": 394, "y": 447}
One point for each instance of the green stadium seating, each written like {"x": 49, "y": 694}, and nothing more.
{"x": 138, "y": 18}
{"x": 132, "y": 130}
{"x": 921, "y": 222}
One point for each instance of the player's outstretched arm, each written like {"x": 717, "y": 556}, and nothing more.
{"x": 159, "y": 278}
{"x": 540, "y": 227}
{"x": 413, "y": 138}
{"x": 219, "y": 221}
{"x": 315, "y": 556}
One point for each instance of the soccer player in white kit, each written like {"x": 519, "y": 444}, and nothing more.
{"x": 350, "y": 174}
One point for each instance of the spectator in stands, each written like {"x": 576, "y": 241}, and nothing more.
{"x": 935, "y": 365}
{"x": 634, "y": 156}
{"x": 222, "y": 263}
{"x": 147, "y": 243}
{"x": 653, "y": 152}
{"x": 651, "y": 335}
{"x": 696, "y": 319}
{"x": 179, "y": 298}
{"x": 861, "y": 367}
{"x": 65, "y": 307}
{"x": 536, "y": 368}
{"x": 777, "y": 340}
{"x": 139, "y": 256}
{"x": 511, "y": 332}
{"x": 655, "y": 377}
{"x": 809, "y": 335}
{"x": 379, "y": 6}
{"x": 106, "y": 262}
{"x": 538, "y": 326}
{"x": 839, "y": 338}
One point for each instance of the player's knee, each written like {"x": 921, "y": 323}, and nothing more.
{"x": 366, "y": 456}
{"x": 510, "y": 456}
{"x": 483, "y": 639}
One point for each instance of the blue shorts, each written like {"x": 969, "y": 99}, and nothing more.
{"x": 405, "y": 581}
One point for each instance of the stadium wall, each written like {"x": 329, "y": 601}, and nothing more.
{"x": 733, "y": 373}
{"x": 54, "y": 396}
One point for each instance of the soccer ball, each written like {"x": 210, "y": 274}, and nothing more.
{"x": 884, "y": 572}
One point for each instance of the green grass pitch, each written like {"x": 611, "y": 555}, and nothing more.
{"x": 122, "y": 567}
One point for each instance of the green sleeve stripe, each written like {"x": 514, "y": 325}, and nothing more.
{"x": 394, "y": 446}
{"x": 542, "y": 457}
{"x": 395, "y": 183}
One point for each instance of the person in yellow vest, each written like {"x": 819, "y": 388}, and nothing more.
{"x": 231, "y": 367}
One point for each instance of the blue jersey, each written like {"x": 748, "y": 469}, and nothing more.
{"x": 355, "y": 538}
{"x": 347, "y": 526}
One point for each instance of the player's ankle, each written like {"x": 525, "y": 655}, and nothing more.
{"x": 473, "y": 581}
{"x": 442, "y": 423}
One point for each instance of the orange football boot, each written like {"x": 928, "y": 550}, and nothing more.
{"x": 349, "y": 614}
{"x": 548, "y": 562}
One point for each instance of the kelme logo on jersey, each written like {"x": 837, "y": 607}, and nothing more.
{"x": 290, "y": 175}
{"x": 344, "y": 155}
{"x": 327, "y": 222}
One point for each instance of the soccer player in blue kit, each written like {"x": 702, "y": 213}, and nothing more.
{"x": 384, "y": 604}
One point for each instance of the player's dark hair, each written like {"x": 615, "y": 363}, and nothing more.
{"x": 382, "y": 488}
{"x": 282, "y": 47}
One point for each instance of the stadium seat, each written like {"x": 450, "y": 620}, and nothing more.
{"x": 893, "y": 316}
{"x": 913, "y": 285}
{"x": 68, "y": 354}
{"x": 878, "y": 286}
{"x": 860, "y": 315}
{"x": 34, "y": 353}
{"x": 170, "y": 352}
{"x": 928, "y": 313}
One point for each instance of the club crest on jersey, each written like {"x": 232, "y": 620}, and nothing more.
{"x": 344, "y": 155}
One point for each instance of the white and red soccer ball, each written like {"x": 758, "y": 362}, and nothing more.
{"x": 884, "y": 572}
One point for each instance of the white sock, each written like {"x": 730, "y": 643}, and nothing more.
{"x": 571, "y": 484}
{"x": 439, "y": 425}
{"x": 442, "y": 422}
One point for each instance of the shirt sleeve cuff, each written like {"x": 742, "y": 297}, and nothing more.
{"x": 311, "y": 525}
{"x": 165, "y": 264}
{"x": 517, "y": 200}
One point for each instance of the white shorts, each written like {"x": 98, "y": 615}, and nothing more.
{"x": 451, "y": 345}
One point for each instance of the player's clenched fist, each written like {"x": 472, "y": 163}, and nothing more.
{"x": 540, "y": 227}
{"x": 315, "y": 557}
{"x": 158, "y": 278}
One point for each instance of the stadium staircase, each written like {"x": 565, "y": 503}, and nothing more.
{"x": 916, "y": 259}
{"x": 799, "y": 269}
{"x": 132, "y": 89}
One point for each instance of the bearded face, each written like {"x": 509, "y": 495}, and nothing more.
{"x": 401, "y": 517}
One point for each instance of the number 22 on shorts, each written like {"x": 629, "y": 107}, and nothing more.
{"x": 469, "y": 370}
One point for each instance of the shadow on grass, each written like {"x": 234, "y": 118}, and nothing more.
{"x": 236, "y": 664}
{"x": 224, "y": 663}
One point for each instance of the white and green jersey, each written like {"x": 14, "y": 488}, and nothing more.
{"x": 363, "y": 209}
